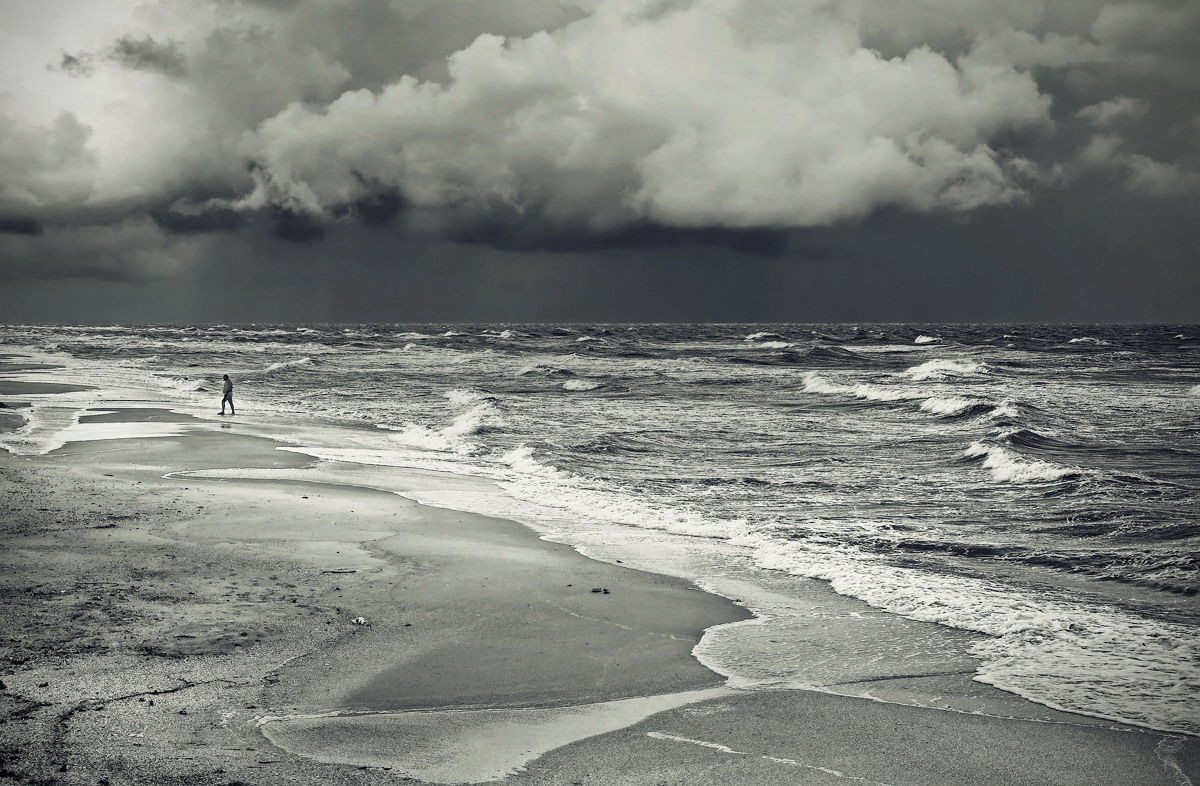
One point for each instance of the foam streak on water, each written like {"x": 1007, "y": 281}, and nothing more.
{"x": 1033, "y": 486}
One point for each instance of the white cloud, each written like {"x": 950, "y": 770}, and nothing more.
{"x": 1026, "y": 50}
{"x": 44, "y": 166}
{"x": 707, "y": 113}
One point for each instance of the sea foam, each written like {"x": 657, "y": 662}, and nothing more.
{"x": 452, "y": 438}
{"x": 1064, "y": 654}
{"x": 581, "y": 384}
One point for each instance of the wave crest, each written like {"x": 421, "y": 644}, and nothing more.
{"x": 952, "y": 407}
{"x": 943, "y": 369}
{"x": 452, "y": 438}
{"x": 1008, "y": 467}
{"x": 304, "y": 361}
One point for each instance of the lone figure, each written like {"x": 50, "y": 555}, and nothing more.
{"x": 227, "y": 394}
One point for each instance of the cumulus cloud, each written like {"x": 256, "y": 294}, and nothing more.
{"x": 1108, "y": 113}
{"x": 1160, "y": 178}
{"x": 567, "y": 117}
{"x": 1141, "y": 174}
{"x": 44, "y": 166}
{"x": 714, "y": 112}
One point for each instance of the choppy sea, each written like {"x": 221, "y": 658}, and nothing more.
{"x": 1036, "y": 486}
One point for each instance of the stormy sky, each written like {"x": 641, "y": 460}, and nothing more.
{"x": 599, "y": 160}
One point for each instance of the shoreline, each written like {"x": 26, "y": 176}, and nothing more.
{"x": 114, "y": 466}
{"x": 450, "y": 645}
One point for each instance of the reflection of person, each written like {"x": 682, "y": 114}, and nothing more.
{"x": 227, "y": 394}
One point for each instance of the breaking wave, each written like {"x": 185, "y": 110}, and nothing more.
{"x": 954, "y": 407}
{"x": 1008, "y": 467}
{"x": 481, "y": 416}
{"x": 943, "y": 369}
{"x": 188, "y": 385}
{"x": 304, "y": 361}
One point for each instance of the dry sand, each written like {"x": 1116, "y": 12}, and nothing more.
{"x": 164, "y": 630}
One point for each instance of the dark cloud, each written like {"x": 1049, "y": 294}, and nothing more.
{"x": 146, "y": 54}
{"x": 815, "y": 142}
{"x": 379, "y": 204}
{"x": 73, "y": 269}
{"x": 15, "y": 225}
{"x": 77, "y": 65}
{"x": 130, "y": 249}
{"x": 295, "y": 226}
{"x": 502, "y": 230}
{"x": 207, "y": 220}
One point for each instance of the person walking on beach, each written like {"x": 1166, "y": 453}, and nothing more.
{"x": 227, "y": 394}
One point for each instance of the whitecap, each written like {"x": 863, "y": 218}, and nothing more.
{"x": 304, "y": 361}
{"x": 1005, "y": 409}
{"x": 815, "y": 383}
{"x": 466, "y": 398}
{"x": 877, "y": 393}
{"x": 941, "y": 369}
{"x": 1008, "y": 467}
{"x": 521, "y": 459}
{"x": 188, "y": 385}
{"x": 948, "y": 406}
{"x": 453, "y": 437}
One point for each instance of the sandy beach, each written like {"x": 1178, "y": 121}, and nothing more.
{"x": 167, "y": 628}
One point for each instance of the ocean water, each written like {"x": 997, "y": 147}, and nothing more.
{"x": 1037, "y": 487}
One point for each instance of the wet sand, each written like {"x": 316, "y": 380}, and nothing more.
{"x": 162, "y": 630}
{"x": 226, "y": 601}
{"x": 11, "y": 418}
{"x": 11, "y": 387}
